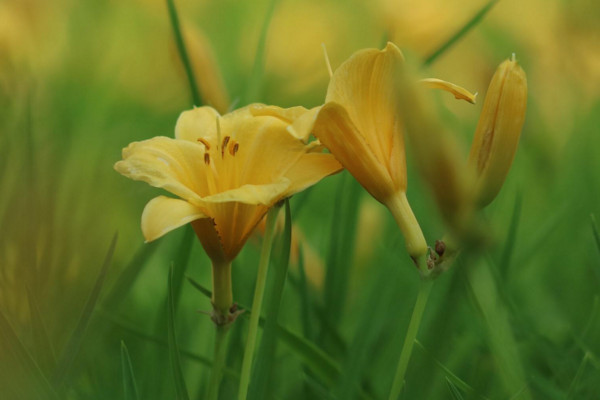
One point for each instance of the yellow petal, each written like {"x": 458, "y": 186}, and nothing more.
{"x": 234, "y": 223}
{"x": 310, "y": 169}
{"x": 163, "y": 214}
{"x": 299, "y": 119}
{"x": 337, "y": 132}
{"x": 267, "y": 194}
{"x": 459, "y": 93}
{"x": 199, "y": 122}
{"x": 174, "y": 165}
{"x": 364, "y": 86}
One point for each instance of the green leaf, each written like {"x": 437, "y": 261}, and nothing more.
{"x": 265, "y": 357}
{"x": 454, "y": 392}
{"x": 305, "y": 298}
{"x": 183, "y": 54}
{"x": 461, "y": 32}
{"x": 43, "y": 348}
{"x": 129, "y": 386}
{"x": 20, "y": 376}
{"x": 180, "y": 388}
{"x": 73, "y": 346}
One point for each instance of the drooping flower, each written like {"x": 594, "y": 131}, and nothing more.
{"x": 226, "y": 171}
{"x": 359, "y": 123}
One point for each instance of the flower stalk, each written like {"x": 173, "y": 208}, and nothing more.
{"x": 222, "y": 296}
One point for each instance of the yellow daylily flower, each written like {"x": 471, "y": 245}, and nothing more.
{"x": 359, "y": 124}
{"x": 498, "y": 131}
{"x": 226, "y": 171}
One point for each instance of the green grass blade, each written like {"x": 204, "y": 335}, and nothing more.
{"x": 129, "y": 385}
{"x": 571, "y": 394}
{"x": 511, "y": 236}
{"x": 460, "y": 33}
{"x": 265, "y": 356}
{"x": 73, "y": 346}
{"x": 181, "y": 260}
{"x": 180, "y": 387}
{"x": 454, "y": 392}
{"x": 596, "y": 234}
{"x": 500, "y": 335}
{"x": 343, "y": 227}
{"x": 255, "y": 82}
{"x": 43, "y": 348}
{"x": 20, "y": 376}
{"x": 451, "y": 376}
{"x": 124, "y": 282}
{"x": 134, "y": 330}
{"x": 305, "y": 298}
{"x": 183, "y": 54}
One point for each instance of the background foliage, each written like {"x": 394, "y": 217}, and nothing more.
{"x": 80, "y": 80}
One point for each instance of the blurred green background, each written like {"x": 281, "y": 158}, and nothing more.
{"x": 79, "y": 80}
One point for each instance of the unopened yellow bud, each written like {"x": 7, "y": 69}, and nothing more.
{"x": 498, "y": 130}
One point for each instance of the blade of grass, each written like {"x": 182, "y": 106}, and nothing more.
{"x": 124, "y": 282}
{"x": 257, "y": 300}
{"x": 454, "y": 392}
{"x": 183, "y": 55}
{"x": 134, "y": 330}
{"x": 129, "y": 385}
{"x": 500, "y": 335}
{"x": 596, "y": 232}
{"x": 305, "y": 300}
{"x": 342, "y": 233}
{"x": 265, "y": 356}
{"x": 19, "y": 373}
{"x": 73, "y": 346}
{"x": 460, "y": 33}
{"x": 180, "y": 388}
{"x": 451, "y": 376}
{"x": 255, "y": 82}
{"x": 511, "y": 236}
{"x": 43, "y": 348}
{"x": 371, "y": 322}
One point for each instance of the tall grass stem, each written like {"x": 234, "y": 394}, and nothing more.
{"x": 411, "y": 334}
{"x": 259, "y": 291}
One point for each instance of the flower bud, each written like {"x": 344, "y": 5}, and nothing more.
{"x": 498, "y": 130}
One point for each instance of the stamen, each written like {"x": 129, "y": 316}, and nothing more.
{"x": 233, "y": 148}
{"x": 327, "y": 60}
{"x": 205, "y": 143}
{"x": 206, "y": 158}
{"x": 224, "y": 145}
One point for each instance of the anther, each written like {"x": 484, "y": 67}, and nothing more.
{"x": 234, "y": 148}
{"x": 205, "y": 143}
{"x": 224, "y": 145}
{"x": 206, "y": 158}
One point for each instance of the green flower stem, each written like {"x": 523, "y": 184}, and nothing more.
{"x": 222, "y": 301}
{"x": 408, "y": 224}
{"x": 218, "y": 362}
{"x": 259, "y": 290}
{"x": 222, "y": 296}
{"x": 411, "y": 334}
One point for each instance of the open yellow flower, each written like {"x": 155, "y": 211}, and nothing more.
{"x": 226, "y": 171}
{"x": 359, "y": 124}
